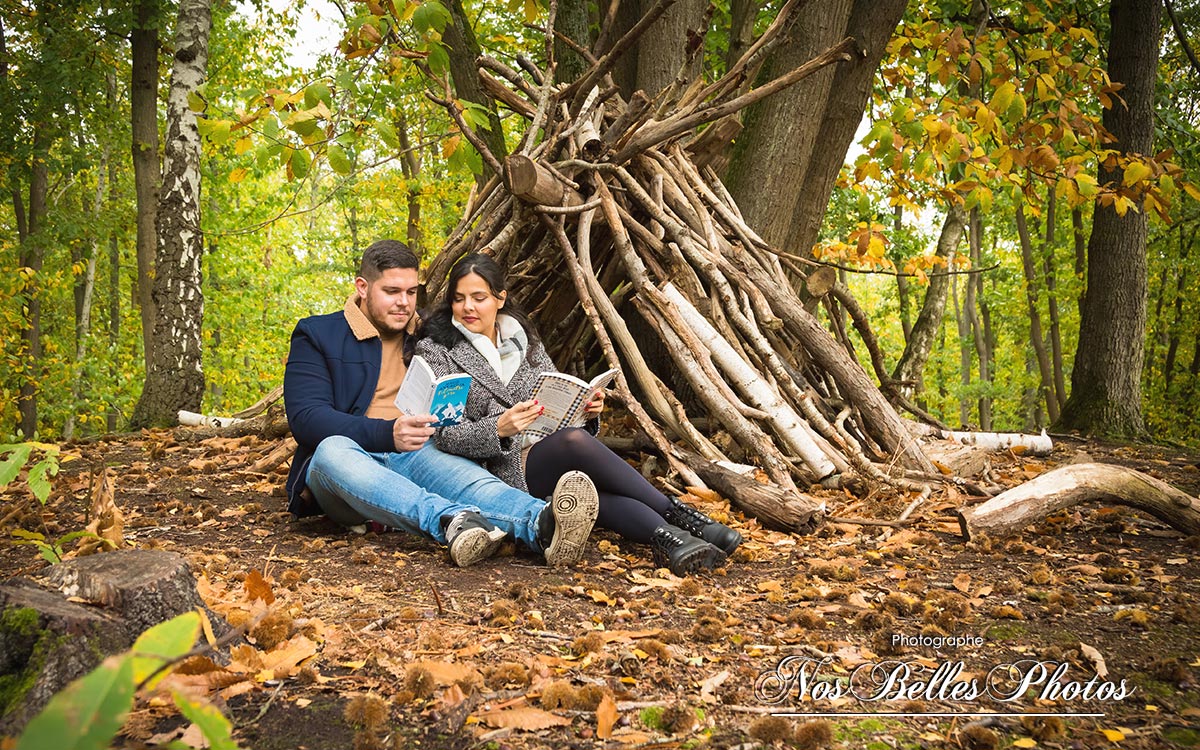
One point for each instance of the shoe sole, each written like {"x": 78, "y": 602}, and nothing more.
{"x": 475, "y": 545}
{"x": 705, "y": 558}
{"x": 574, "y": 505}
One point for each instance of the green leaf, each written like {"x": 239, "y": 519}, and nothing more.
{"x": 11, "y": 466}
{"x": 431, "y": 15}
{"x": 339, "y": 161}
{"x": 87, "y": 714}
{"x": 317, "y": 93}
{"x": 439, "y": 58}
{"x": 388, "y": 134}
{"x": 465, "y": 159}
{"x": 300, "y": 162}
{"x": 213, "y": 725}
{"x": 476, "y": 115}
{"x": 196, "y": 102}
{"x": 345, "y": 80}
{"x": 38, "y": 482}
{"x": 162, "y": 643}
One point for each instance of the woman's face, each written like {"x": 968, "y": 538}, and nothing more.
{"x": 474, "y": 305}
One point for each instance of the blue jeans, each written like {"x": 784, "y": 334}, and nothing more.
{"x": 414, "y": 491}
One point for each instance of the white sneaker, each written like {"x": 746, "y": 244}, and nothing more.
{"x": 574, "y": 505}
{"x": 472, "y": 538}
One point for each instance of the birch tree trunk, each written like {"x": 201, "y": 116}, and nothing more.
{"x": 175, "y": 377}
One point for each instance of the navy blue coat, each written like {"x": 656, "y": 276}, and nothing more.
{"x": 328, "y": 384}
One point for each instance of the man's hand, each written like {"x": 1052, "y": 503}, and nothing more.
{"x": 518, "y": 418}
{"x": 410, "y": 432}
{"x": 596, "y": 404}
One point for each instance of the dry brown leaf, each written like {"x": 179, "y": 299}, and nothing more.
{"x": 284, "y": 658}
{"x": 704, "y": 494}
{"x": 1096, "y": 658}
{"x": 245, "y": 658}
{"x": 446, "y": 673}
{"x": 600, "y": 597}
{"x": 452, "y": 696}
{"x": 962, "y": 582}
{"x": 606, "y": 716}
{"x": 709, "y": 686}
{"x": 524, "y": 717}
{"x": 257, "y": 587}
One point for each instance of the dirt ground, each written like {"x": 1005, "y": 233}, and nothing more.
{"x": 377, "y": 641}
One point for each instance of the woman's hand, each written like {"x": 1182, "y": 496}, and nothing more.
{"x": 518, "y": 418}
{"x": 596, "y": 404}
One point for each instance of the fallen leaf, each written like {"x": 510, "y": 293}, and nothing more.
{"x": 257, "y": 587}
{"x": 284, "y": 659}
{"x": 525, "y": 717}
{"x": 1097, "y": 660}
{"x": 962, "y": 582}
{"x": 1113, "y": 735}
{"x": 606, "y": 716}
{"x": 1025, "y": 742}
{"x": 446, "y": 673}
{"x": 710, "y": 684}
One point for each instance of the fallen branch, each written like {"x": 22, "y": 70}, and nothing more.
{"x": 1013, "y": 510}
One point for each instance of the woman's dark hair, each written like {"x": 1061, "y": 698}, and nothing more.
{"x": 437, "y": 325}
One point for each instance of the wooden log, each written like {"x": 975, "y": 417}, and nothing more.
{"x": 711, "y": 148}
{"x": 534, "y": 183}
{"x": 788, "y": 511}
{"x": 1013, "y": 510}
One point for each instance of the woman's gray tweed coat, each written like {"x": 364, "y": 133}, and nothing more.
{"x": 475, "y": 437}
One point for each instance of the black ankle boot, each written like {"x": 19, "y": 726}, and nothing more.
{"x": 683, "y": 553}
{"x": 695, "y": 522}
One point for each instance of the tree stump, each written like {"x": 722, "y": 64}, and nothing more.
{"x": 47, "y": 639}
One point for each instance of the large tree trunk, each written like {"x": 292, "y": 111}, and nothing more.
{"x": 979, "y": 332}
{"x": 800, "y": 136}
{"x": 909, "y": 370}
{"x": 671, "y": 49}
{"x": 175, "y": 378}
{"x": 143, "y": 115}
{"x": 464, "y": 51}
{"x": 1106, "y": 394}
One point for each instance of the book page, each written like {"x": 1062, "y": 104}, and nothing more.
{"x": 449, "y": 401}
{"x": 417, "y": 389}
{"x": 559, "y": 395}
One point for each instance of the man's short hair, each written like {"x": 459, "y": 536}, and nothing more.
{"x": 383, "y": 255}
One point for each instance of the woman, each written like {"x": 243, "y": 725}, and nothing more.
{"x": 476, "y": 329}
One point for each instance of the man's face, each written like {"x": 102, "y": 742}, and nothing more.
{"x": 390, "y": 301}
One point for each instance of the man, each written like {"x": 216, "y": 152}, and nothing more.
{"x": 359, "y": 459}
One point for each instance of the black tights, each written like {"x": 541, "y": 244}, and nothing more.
{"x": 629, "y": 505}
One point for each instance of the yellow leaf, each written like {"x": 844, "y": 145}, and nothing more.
{"x": 243, "y": 145}
{"x": 1135, "y": 172}
{"x": 1003, "y": 97}
{"x": 1113, "y": 735}
{"x": 238, "y": 174}
{"x": 1025, "y": 742}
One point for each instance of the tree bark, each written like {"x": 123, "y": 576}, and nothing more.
{"x": 571, "y": 21}
{"x": 175, "y": 378}
{"x": 464, "y": 51}
{"x": 1177, "y": 323}
{"x": 741, "y": 29}
{"x": 979, "y": 332}
{"x": 143, "y": 115}
{"x": 1050, "y": 270}
{"x": 800, "y": 136}
{"x": 909, "y": 370}
{"x": 1014, "y": 509}
{"x": 1036, "y": 337}
{"x": 1106, "y": 394}
{"x": 670, "y": 49}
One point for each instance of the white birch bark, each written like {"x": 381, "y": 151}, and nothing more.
{"x": 786, "y": 423}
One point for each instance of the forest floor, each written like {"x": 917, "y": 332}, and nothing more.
{"x": 378, "y": 641}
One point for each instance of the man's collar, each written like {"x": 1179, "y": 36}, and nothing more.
{"x": 361, "y": 325}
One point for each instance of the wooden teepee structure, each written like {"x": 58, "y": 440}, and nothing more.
{"x": 618, "y": 197}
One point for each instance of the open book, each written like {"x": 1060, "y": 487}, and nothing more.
{"x": 422, "y": 393}
{"x": 563, "y": 398}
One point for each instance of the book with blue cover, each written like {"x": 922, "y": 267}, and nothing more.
{"x": 422, "y": 393}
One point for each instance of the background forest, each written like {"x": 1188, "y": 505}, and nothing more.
{"x": 978, "y": 153}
